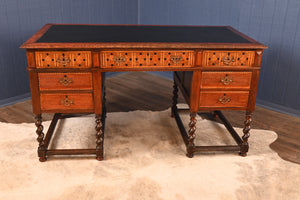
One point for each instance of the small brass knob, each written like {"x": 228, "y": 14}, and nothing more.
{"x": 224, "y": 99}
{"x": 67, "y": 101}
{"x": 65, "y": 81}
{"x": 119, "y": 59}
{"x": 227, "y": 60}
{"x": 176, "y": 59}
{"x": 63, "y": 61}
{"x": 226, "y": 80}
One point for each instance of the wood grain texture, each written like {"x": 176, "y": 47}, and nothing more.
{"x": 34, "y": 87}
{"x": 216, "y": 100}
{"x": 194, "y": 91}
{"x": 66, "y": 101}
{"x": 65, "y": 81}
{"x": 98, "y": 92}
{"x": 226, "y": 80}
{"x": 146, "y": 97}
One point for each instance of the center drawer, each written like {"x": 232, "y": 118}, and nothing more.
{"x": 135, "y": 59}
{"x": 65, "y": 81}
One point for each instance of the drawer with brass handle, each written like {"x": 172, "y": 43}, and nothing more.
{"x": 228, "y": 58}
{"x": 134, "y": 59}
{"x": 219, "y": 99}
{"x": 63, "y": 59}
{"x": 65, "y": 81}
{"x": 65, "y": 101}
{"x": 226, "y": 80}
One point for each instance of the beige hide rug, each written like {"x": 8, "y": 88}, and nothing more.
{"x": 144, "y": 160}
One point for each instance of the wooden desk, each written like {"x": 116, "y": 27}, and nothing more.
{"x": 216, "y": 68}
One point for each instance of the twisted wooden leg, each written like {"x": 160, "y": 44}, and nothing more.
{"x": 191, "y": 135}
{"x": 40, "y": 138}
{"x": 175, "y": 97}
{"x": 99, "y": 138}
{"x": 104, "y": 102}
{"x": 246, "y": 131}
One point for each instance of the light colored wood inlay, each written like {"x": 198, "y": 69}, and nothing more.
{"x": 135, "y": 59}
{"x": 228, "y": 58}
{"x": 63, "y": 59}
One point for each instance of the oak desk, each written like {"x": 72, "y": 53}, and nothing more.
{"x": 216, "y": 68}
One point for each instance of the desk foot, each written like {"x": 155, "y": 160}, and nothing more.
{"x": 190, "y": 153}
{"x": 99, "y": 158}
{"x": 99, "y": 138}
{"x": 243, "y": 154}
{"x": 42, "y": 159}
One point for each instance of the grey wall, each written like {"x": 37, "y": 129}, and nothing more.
{"x": 276, "y": 23}
{"x": 20, "y": 19}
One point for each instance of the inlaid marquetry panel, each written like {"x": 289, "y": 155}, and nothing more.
{"x": 228, "y": 58}
{"x": 133, "y": 59}
{"x": 63, "y": 59}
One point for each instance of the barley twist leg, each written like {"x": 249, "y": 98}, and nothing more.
{"x": 191, "y": 135}
{"x": 246, "y": 131}
{"x": 40, "y": 138}
{"x": 99, "y": 138}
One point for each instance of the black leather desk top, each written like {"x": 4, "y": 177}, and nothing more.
{"x": 115, "y": 33}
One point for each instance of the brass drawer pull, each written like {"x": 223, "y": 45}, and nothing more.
{"x": 176, "y": 59}
{"x": 67, "y": 101}
{"x": 119, "y": 59}
{"x": 224, "y": 99}
{"x": 63, "y": 61}
{"x": 65, "y": 81}
{"x": 226, "y": 80}
{"x": 227, "y": 60}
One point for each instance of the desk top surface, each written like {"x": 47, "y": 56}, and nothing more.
{"x": 138, "y": 36}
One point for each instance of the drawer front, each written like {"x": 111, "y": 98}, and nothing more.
{"x": 134, "y": 59}
{"x": 63, "y": 59}
{"x": 67, "y": 101}
{"x": 221, "y": 99}
{"x": 65, "y": 81}
{"x": 240, "y": 80}
{"x": 228, "y": 58}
